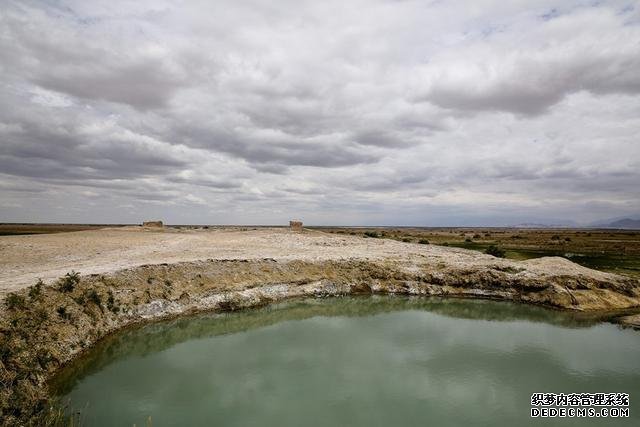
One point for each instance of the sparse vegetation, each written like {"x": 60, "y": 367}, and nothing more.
{"x": 94, "y": 297}
{"x": 69, "y": 282}
{"x": 63, "y": 313}
{"x": 111, "y": 303}
{"x": 35, "y": 291}
{"x": 372, "y": 234}
{"x": 591, "y": 248}
{"x": 423, "y": 241}
{"x": 80, "y": 299}
{"x": 15, "y": 301}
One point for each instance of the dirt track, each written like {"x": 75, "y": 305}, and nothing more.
{"x": 24, "y": 259}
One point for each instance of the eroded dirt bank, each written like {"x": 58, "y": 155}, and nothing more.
{"x": 45, "y": 326}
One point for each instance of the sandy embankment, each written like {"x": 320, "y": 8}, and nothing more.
{"x": 25, "y": 259}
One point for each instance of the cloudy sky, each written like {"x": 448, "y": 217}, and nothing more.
{"x": 478, "y": 112}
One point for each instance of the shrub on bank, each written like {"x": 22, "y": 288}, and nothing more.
{"x": 495, "y": 251}
{"x": 15, "y": 301}
{"x": 69, "y": 282}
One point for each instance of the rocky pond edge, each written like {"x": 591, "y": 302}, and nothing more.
{"x": 46, "y": 326}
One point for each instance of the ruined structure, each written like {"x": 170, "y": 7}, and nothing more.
{"x": 295, "y": 225}
{"x": 154, "y": 224}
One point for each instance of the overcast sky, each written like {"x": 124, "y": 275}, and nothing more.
{"x": 478, "y": 112}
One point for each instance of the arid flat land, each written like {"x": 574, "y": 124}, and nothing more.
{"x": 14, "y": 229}
{"x": 25, "y": 259}
{"x": 48, "y": 251}
{"x": 615, "y": 251}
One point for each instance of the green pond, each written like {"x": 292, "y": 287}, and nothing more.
{"x": 354, "y": 361}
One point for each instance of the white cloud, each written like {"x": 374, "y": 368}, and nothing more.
{"x": 364, "y": 111}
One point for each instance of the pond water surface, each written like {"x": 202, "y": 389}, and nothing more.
{"x": 356, "y": 361}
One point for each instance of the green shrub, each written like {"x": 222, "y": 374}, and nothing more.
{"x": 15, "y": 301}
{"x": 555, "y": 237}
{"x": 406, "y": 240}
{"x": 69, "y": 282}
{"x": 495, "y": 251}
{"x": 35, "y": 291}
{"x": 80, "y": 299}
{"x": 468, "y": 240}
{"x": 94, "y": 297}
{"x": 476, "y": 236}
{"x": 423, "y": 241}
{"x": 111, "y": 303}
{"x": 63, "y": 313}
{"x": 372, "y": 234}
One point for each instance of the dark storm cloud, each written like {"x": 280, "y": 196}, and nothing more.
{"x": 381, "y": 138}
{"x": 205, "y": 182}
{"x": 48, "y": 150}
{"x": 142, "y": 86}
{"x": 531, "y": 88}
{"x": 268, "y": 149}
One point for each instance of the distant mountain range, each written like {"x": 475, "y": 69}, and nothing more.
{"x": 541, "y": 225}
{"x": 624, "y": 223}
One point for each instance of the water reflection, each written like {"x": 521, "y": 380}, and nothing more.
{"x": 370, "y": 360}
